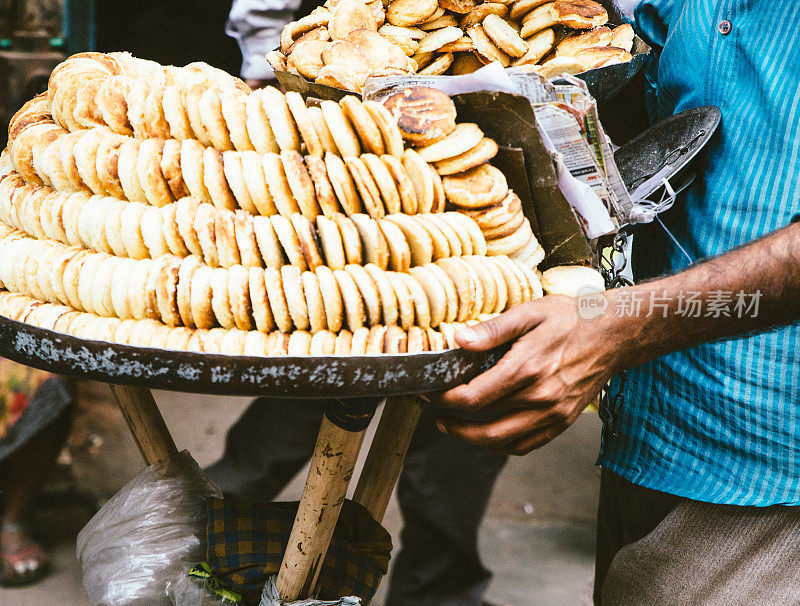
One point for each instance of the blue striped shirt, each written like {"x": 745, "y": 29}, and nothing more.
{"x": 721, "y": 422}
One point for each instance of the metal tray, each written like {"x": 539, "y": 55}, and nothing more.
{"x": 665, "y": 148}
{"x": 605, "y": 82}
{"x": 283, "y": 376}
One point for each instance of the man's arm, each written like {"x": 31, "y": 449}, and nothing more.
{"x": 559, "y": 361}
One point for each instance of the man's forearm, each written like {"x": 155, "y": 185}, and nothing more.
{"x": 750, "y": 289}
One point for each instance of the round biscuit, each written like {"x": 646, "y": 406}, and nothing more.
{"x": 280, "y": 118}
{"x": 449, "y": 231}
{"x": 220, "y": 298}
{"x": 367, "y": 188}
{"x": 485, "y": 150}
{"x": 436, "y": 295}
{"x": 514, "y": 242}
{"x": 405, "y": 302}
{"x": 390, "y": 133}
{"x": 287, "y": 236}
{"x": 322, "y": 130}
{"x": 246, "y": 239}
{"x": 478, "y": 187}
{"x": 399, "y": 250}
{"x": 326, "y": 197}
{"x": 314, "y": 301}
{"x": 331, "y": 298}
{"x": 441, "y": 246}
{"x": 258, "y": 126}
{"x": 465, "y": 136}
{"x": 351, "y": 240}
{"x": 388, "y": 298}
{"x": 405, "y": 188}
{"x": 256, "y": 183}
{"x": 513, "y": 286}
{"x": 200, "y": 298}
{"x": 344, "y": 339}
{"x": 332, "y": 245}
{"x": 485, "y": 48}
{"x": 323, "y": 343}
{"x": 307, "y": 237}
{"x": 278, "y": 184}
{"x": 363, "y": 124}
{"x": 297, "y": 107}
{"x": 340, "y": 129}
{"x": 358, "y": 344}
{"x": 278, "y": 304}
{"x": 300, "y": 183}
{"x": 269, "y": 246}
{"x": 419, "y": 239}
{"x": 232, "y": 166}
{"x": 369, "y": 293}
{"x": 464, "y": 283}
{"x": 343, "y": 186}
{"x": 375, "y": 340}
{"x": 395, "y": 340}
{"x": 259, "y": 300}
{"x": 373, "y": 242}
{"x": 389, "y": 194}
{"x": 239, "y": 295}
{"x": 351, "y": 299}
{"x": 225, "y": 238}
{"x": 420, "y": 175}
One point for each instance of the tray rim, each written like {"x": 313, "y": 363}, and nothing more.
{"x": 301, "y": 377}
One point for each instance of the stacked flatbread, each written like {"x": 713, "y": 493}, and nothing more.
{"x": 175, "y": 208}
{"x": 344, "y": 42}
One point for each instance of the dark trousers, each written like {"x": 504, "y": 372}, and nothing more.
{"x": 444, "y": 488}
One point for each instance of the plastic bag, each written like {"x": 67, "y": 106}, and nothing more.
{"x": 149, "y": 534}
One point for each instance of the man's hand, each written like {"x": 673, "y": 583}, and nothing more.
{"x": 559, "y": 361}
{"x": 557, "y": 365}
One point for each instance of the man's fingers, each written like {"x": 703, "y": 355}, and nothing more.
{"x": 494, "y": 434}
{"x": 509, "y": 375}
{"x": 506, "y": 327}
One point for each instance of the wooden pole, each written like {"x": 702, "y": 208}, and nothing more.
{"x": 387, "y": 453}
{"x": 331, "y": 469}
{"x": 145, "y": 422}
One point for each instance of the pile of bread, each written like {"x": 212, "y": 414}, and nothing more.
{"x": 175, "y": 208}
{"x": 344, "y": 42}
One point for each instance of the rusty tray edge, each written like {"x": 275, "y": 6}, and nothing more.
{"x": 218, "y": 374}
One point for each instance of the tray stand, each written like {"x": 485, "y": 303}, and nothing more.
{"x": 338, "y": 444}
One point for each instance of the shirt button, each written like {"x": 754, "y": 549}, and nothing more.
{"x": 725, "y": 27}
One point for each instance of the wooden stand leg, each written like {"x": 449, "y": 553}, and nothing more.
{"x": 331, "y": 469}
{"x": 145, "y": 422}
{"x": 387, "y": 453}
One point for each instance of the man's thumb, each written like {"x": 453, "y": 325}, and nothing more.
{"x": 506, "y": 327}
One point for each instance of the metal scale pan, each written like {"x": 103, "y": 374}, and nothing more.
{"x": 282, "y": 376}
{"x": 665, "y": 149}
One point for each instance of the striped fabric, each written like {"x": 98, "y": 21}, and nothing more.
{"x": 721, "y": 422}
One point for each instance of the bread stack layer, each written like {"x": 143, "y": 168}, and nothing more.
{"x": 175, "y": 208}
{"x": 344, "y": 42}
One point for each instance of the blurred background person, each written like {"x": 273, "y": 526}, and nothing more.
{"x": 35, "y": 411}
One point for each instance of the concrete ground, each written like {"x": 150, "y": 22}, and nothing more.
{"x": 538, "y": 536}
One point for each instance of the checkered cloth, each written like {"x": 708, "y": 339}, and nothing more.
{"x": 246, "y": 542}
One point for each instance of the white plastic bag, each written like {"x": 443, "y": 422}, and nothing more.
{"x": 149, "y": 534}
